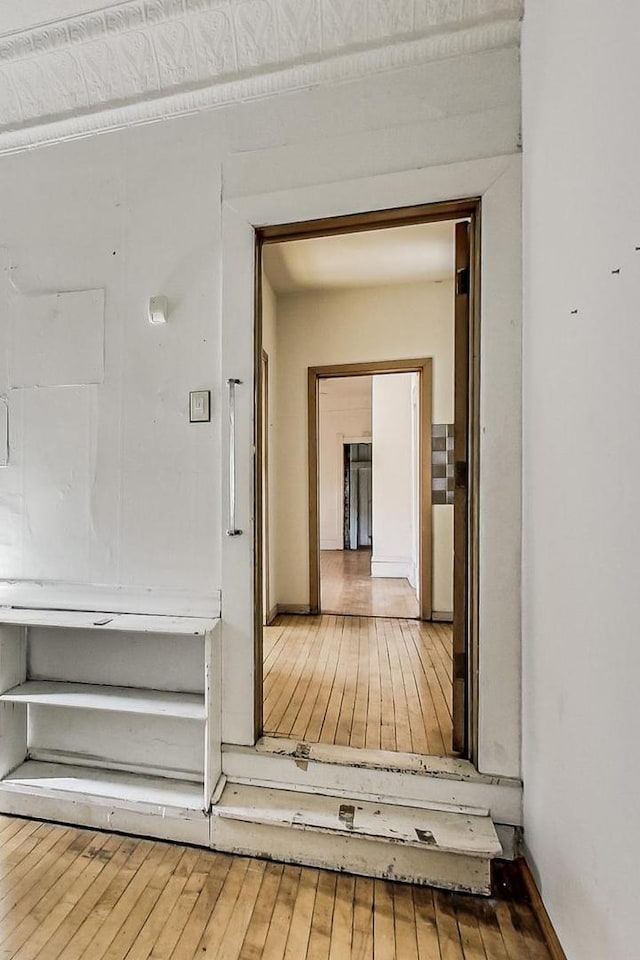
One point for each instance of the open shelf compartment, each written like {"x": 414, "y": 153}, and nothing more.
{"x": 70, "y": 728}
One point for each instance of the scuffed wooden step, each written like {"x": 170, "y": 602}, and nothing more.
{"x": 447, "y": 849}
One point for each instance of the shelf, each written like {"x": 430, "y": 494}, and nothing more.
{"x": 89, "y": 696}
{"x": 130, "y": 622}
{"x": 65, "y": 780}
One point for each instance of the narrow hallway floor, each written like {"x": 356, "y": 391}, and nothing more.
{"x": 347, "y": 587}
{"x": 380, "y": 683}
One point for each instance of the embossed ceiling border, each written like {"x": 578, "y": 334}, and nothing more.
{"x": 71, "y": 79}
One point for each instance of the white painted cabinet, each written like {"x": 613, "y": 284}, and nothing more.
{"x": 110, "y": 719}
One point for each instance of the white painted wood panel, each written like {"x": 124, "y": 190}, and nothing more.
{"x": 134, "y": 742}
{"x": 354, "y": 853}
{"x": 57, "y": 595}
{"x": 175, "y": 626}
{"x": 88, "y": 696}
{"x": 53, "y": 779}
{"x": 212, "y": 692}
{"x": 13, "y": 717}
{"x": 437, "y": 782}
{"x": 106, "y": 813}
{"x": 284, "y": 191}
{"x": 450, "y": 832}
{"x": 151, "y": 661}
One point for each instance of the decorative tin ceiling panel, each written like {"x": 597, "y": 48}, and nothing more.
{"x": 203, "y": 52}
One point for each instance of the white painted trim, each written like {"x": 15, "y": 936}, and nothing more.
{"x": 356, "y": 855}
{"x": 142, "y": 62}
{"x": 392, "y": 567}
{"x": 502, "y": 797}
{"x": 50, "y": 595}
{"x": 164, "y": 824}
{"x": 106, "y": 621}
{"x": 92, "y": 696}
{"x": 497, "y": 181}
{"x": 331, "y": 545}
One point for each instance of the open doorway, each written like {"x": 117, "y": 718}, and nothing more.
{"x": 370, "y": 522}
{"x": 369, "y": 584}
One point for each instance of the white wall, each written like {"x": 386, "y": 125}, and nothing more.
{"x": 146, "y": 502}
{"x": 107, "y": 481}
{"x": 394, "y": 487}
{"x": 343, "y": 326}
{"x": 344, "y": 415}
{"x": 582, "y": 458}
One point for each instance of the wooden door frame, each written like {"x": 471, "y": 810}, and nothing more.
{"x": 267, "y": 615}
{"x": 466, "y": 579}
{"x": 423, "y": 367}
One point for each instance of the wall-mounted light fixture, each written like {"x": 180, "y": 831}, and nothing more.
{"x": 158, "y": 309}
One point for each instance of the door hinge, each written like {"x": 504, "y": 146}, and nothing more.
{"x": 462, "y": 282}
{"x": 460, "y": 474}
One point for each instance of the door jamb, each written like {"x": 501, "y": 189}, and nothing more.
{"x": 352, "y": 223}
{"x": 423, "y": 367}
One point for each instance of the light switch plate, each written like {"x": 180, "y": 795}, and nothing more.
{"x": 200, "y": 406}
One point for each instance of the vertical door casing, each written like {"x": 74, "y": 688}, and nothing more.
{"x": 461, "y": 455}
{"x": 240, "y": 716}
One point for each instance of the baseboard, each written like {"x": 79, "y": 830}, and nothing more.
{"x": 397, "y": 568}
{"x": 544, "y": 921}
{"x": 272, "y": 614}
{"x": 442, "y": 616}
{"x": 295, "y": 608}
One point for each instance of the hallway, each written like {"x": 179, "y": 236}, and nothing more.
{"x": 347, "y": 587}
{"x": 379, "y": 683}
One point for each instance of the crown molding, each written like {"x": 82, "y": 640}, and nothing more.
{"x": 143, "y": 60}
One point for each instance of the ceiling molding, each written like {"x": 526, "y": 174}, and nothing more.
{"x": 142, "y": 60}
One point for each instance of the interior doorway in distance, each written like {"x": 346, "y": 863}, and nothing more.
{"x": 357, "y": 495}
{"x": 370, "y": 500}
{"x": 383, "y": 682}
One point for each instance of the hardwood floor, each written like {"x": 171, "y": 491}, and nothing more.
{"x": 347, "y": 587}
{"x": 379, "y": 683}
{"x": 82, "y": 895}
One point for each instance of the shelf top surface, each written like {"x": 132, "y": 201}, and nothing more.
{"x": 89, "y": 696}
{"x": 57, "y": 778}
{"x": 88, "y": 620}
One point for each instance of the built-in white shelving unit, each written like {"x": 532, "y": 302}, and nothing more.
{"x": 110, "y": 719}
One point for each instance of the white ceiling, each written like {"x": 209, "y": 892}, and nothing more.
{"x": 372, "y": 258}
{"x": 24, "y": 14}
{"x": 352, "y": 387}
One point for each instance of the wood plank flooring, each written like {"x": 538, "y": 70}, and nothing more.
{"x": 347, "y": 587}
{"x": 83, "y": 895}
{"x": 373, "y": 682}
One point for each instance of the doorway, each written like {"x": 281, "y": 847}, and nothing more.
{"x": 379, "y": 561}
{"x": 394, "y": 683}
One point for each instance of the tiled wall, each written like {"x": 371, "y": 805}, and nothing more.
{"x": 442, "y": 469}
